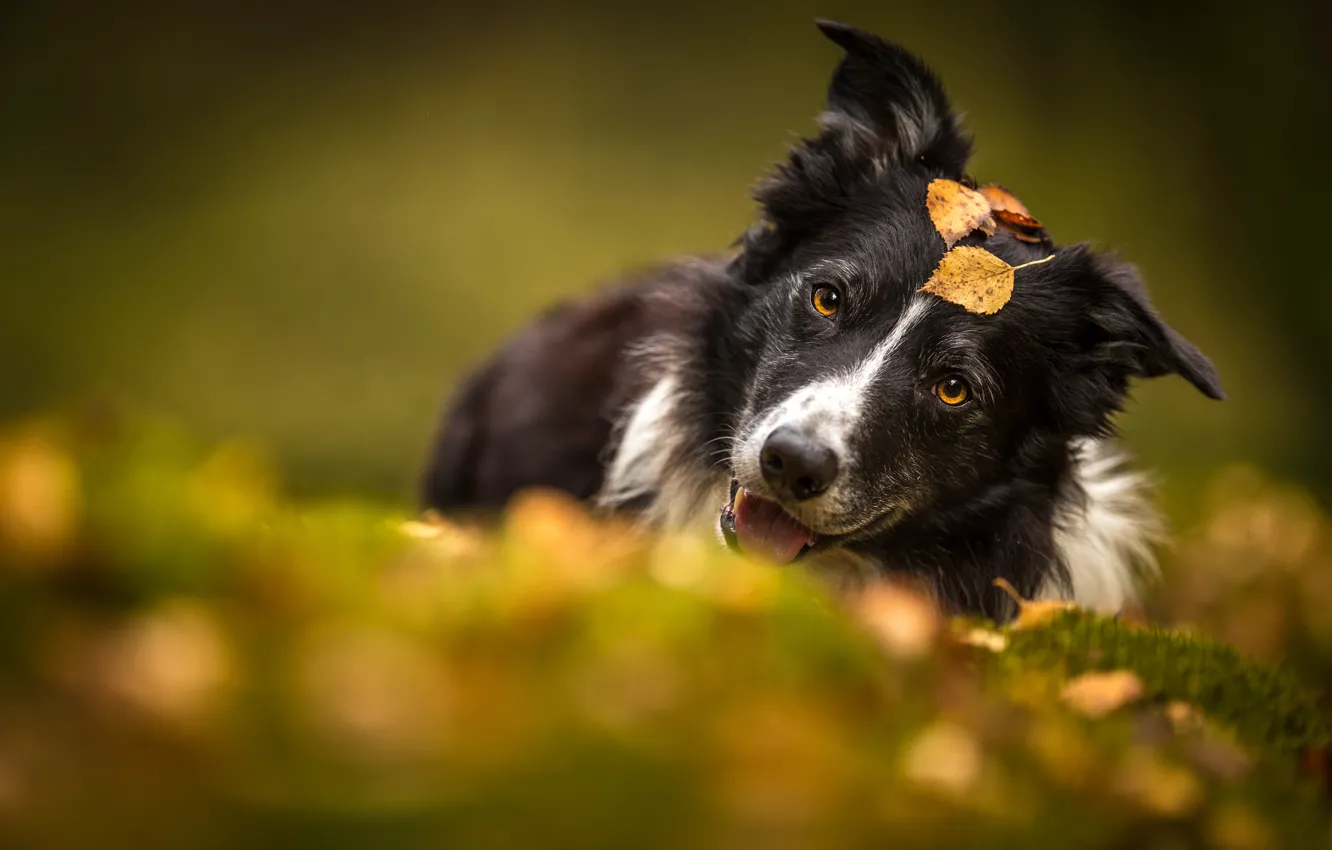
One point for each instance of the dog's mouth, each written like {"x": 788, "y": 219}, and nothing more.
{"x": 758, "y": 526}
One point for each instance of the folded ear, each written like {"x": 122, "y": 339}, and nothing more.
{"x": 1133, "y": 337}
{"x": 886, "y": 110}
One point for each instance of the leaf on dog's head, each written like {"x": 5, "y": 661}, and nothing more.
{"x": 957, "y": 210}
{"x": 975, "y": 279}
{"x": 1002, "y": 200}
{"x": 1024, "y": 228}
{"x": 1012, "y": 215}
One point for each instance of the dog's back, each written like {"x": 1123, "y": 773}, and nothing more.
{"x": 541, "y": 411}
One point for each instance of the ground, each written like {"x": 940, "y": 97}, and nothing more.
{"x": 192, "y": 659}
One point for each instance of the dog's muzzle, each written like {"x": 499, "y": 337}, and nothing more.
{"x": 758, "y": 526}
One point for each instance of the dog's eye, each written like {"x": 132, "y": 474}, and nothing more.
{"x": 827, "y": 300}
{"x": 952, "y": 390}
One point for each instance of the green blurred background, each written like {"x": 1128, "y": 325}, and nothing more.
{"x": 302, "y": 221}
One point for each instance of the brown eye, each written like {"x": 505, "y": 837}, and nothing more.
{"x": 827, "y": 300}
{"x": 952, "y": 390}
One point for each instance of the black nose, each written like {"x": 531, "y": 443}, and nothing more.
{"x": 795, "y": 465}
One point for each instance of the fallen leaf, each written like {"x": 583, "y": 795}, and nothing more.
{"x": 975, "y": 279}
{"x": 1032, "y": 614}
{"x": 985, "y": 639}
{"x": 445, "y": 536}
{"x": 1098, "y": 694}
{"x": 904, "y": 621}
{"x": 945, "y": 756}
{"x": 40, "y": 497}
{"x": 1024, "y": 228}
{"x": 1012, "y": 215}
{"x": 957, "y": 210}
{"x": 1002, "y": 200}
{"x": 174, "y": 662}
{"x": 1156, "y": 785}
{"x": 1184, "y": 717}
{"x": 1316, "y": 763}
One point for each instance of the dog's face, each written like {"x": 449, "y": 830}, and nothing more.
{"x": 869, "y": 400}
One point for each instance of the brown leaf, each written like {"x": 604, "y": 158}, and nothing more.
{"x": 1032, "y": 614}
{"x": 1012, "y": 215}
{"x": 1002, "y": 200}
{"x": 444, "y": 535}
{"x": 905, "y": 622}
{"x": 1316, "y": 763}
{"x": 1024, "y": 228}
{"x": 974, "y": 279}
{"x": 1098, "y": 694}
{"x": 957, "y": 210}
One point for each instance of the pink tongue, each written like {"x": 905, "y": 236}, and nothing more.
{"x": 763, "y": 528}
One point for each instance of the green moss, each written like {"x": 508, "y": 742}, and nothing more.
{"x": 1265, "y": 706}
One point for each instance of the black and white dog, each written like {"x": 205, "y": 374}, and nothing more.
{"x": 802, "y": 398}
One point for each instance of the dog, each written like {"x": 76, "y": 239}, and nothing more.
{"x": 802, "y": 399}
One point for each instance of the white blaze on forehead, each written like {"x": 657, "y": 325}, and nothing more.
{"x": 848, "y": 392}
{"x": 831, "y": 407}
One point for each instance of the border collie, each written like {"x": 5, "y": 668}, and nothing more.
{"x": 802, "y": 398}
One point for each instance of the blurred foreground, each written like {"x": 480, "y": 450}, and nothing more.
{"x": 187, "y": 658}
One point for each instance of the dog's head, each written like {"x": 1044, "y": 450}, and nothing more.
{"x": 871, "y": 400}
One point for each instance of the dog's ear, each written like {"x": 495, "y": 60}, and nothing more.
{"x": 1136, "y": 338}
{"x": 886, "y": 110}
{"x": 1109, "y": 334}
{"x": 889, "y": 103}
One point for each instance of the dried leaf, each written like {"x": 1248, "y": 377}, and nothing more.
{"x": 40, "y": 497}
{"x": 945, "y": 756}
{"x": 1012, "y": 215}
{"x": 1316, "y": 763}
{"x": 448, "y": 537}
{"x": 904, "y": 621}
{"x": 1098, "y": 694}
{"x": 1002, "y": 200}
{"x": 975, "y": 279}
{"x": 1024, "y": 228}
{"x": 1156, "y": 785}
{"x": 985, "y": 639}
{"x": 1184, "y": 717}
{"x": 1032, "y": 614}
{"x": 957, "y": 210}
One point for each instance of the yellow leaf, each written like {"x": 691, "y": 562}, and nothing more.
{"x": 904, "y": 621}
{"x": 445, "y": 536}
{"x": 1156, "y": 785}
{"x": 985, "y": 639}
{"x": 957, "y": 210}
{"x": 975, "y": 279}
{"x": 40, "y": 497}
{"x": 1032, "y": 614}
{"x": 944, "y": 755}
{"x": 1098, "y": 694}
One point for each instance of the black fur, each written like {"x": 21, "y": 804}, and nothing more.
{"x": 957, "y": 496}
